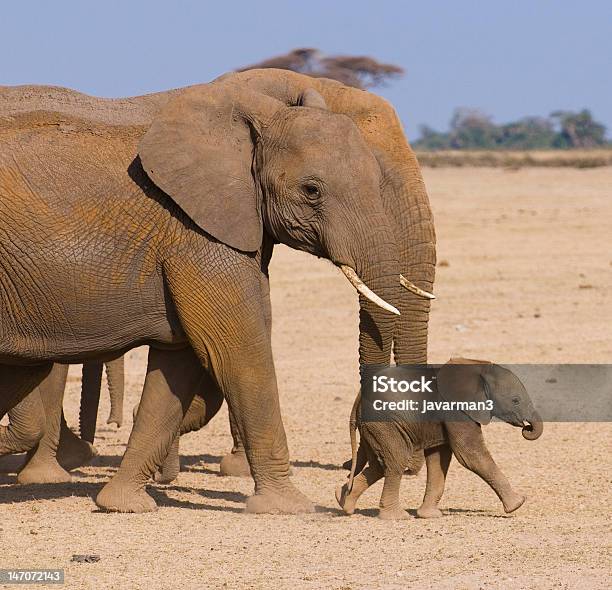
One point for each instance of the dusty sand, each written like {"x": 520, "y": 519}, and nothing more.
{"x": 528, "y": 279}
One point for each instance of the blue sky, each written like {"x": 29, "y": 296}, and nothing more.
{"x": 509, "y": 59}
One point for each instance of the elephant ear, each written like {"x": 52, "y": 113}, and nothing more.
{"x": 311, "y": 98}
{"x": 461, "y": 380}
{"x": 200, "y": 149}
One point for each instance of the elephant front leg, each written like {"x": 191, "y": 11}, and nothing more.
{"x": 42, "y": 465}
{"x": 471, "y": 451}
{"x": 235, "y": 463}
{"x": 438, "y": 460}
{"x": 253, "y": 398}
{"x": 171, "y": 382}
{"x": 224, "y": 318}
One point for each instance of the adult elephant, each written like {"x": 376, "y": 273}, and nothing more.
{"x": 179, "y": 218}
{"x": 406, "y": 206}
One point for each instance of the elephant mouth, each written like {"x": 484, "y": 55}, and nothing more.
{"x": 532, "y": 429}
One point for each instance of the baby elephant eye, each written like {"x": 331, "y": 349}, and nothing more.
{"x": 312, "y": 190}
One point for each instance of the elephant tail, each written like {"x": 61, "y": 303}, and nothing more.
{"x": 353, "y": 433}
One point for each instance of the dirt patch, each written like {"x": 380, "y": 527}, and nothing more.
{"x": 517, "y": 247}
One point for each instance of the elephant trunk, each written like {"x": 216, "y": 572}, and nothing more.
{"x": 534, "y": 427}
{"x": 377, "y": 266}
{"x": 90, "y": 399}
{"x": 116, "y": 388}
{"x": 407, "y": 207}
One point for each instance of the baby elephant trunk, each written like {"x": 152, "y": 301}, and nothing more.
{"x": 533, "y": 428}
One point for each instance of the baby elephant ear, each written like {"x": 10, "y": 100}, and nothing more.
{"x": 199, "y": 150}
{"x": 460, "y": 380}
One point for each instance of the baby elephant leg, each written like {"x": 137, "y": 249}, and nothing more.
{"x": 469, "y": 447}
{"x": 348, "y": 500}
{"x": 390, "y": 508}
{"x": 438, "y": 460}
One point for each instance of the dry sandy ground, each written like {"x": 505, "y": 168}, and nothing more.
{"x": 528, "y": 279}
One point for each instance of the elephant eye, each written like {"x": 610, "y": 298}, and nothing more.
{"x": 312, "y": 190}
{"x": 516, "y": 401}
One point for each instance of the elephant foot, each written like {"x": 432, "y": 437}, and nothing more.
{"x": 115, "y": 419}
{"x": 513, "y": 503}
{"x": 74, "y": 453}
{"x": 287, "y": 500}
{"x": 38, "y": 471}
{"x": 344, "y": 499}
{"x": 117, "y": 497}
{"x": 393, "y": 514}
{"x": 429, "y": 512}
{"x": 235, "y": 465}
{"x": 165, "y": 476}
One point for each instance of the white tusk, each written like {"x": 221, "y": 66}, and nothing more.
{"x": 414, "y": 289}
{"x": 354, "y": 280}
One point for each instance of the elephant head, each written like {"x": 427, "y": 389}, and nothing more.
{"x": 405, "y": 205}
{"x": 244, "y": 164}
{"x": 479, "y": 381}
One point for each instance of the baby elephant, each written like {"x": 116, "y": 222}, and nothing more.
{"x": 387, "y": 447}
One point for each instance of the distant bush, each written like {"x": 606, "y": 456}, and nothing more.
{"x": 470, "y": 129}
{"x": 358, "y": 71}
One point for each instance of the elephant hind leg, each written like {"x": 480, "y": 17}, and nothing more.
{"x": 17, "y": 382}
{"x": 348, "y": 499}
{"x": 26, "y": 425}
{"x": 42, "y": 467}
{"x": 19, "y": 395}
{"x": 171, "y": 382}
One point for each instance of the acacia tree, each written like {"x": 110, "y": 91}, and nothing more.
{"x": 578, "y": 130}
{"x": 357, "y": 71}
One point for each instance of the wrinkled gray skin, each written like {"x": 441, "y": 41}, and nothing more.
{"x": 49, "y": 442}
{"x": 196, "y": 216}
{"x": 387, "y": 447}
